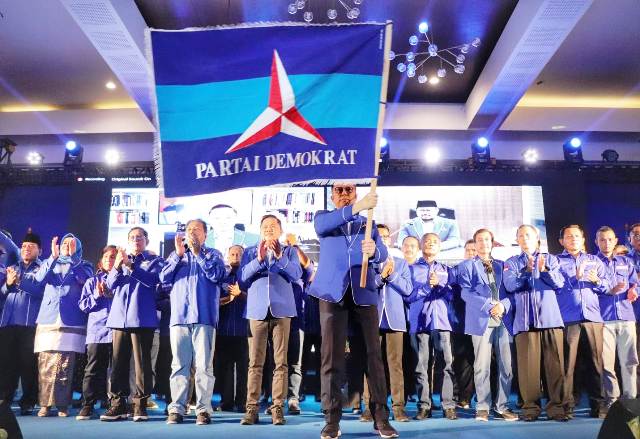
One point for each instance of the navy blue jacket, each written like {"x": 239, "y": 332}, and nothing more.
{"x": 134, "y": 293}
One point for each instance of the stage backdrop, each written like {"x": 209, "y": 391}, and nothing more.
{"x": 266, "y": 104}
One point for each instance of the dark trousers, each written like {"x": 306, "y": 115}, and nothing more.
{"x": 18, "y": 362}
{"x": 94, "y": 382}
{"x": 128, "y": 342}
{"x": 311, "y": 361}
{"x": 231, "y": 365}
{"x": 334, "y": 319}
{"x": 586, "y": 336}
{"x": 463, "y": 359}
{"x": 163, "y": 368}
{"x": 532, "y": 347}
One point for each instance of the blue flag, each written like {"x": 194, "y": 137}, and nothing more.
{"x": 266, "y": 105}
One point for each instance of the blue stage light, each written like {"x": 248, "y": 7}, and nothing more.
{"x": 482, "y": 142}
{"x": 572, "y": 150}
{"x": 480, "y": 151}
{"x": 575, "y": 142}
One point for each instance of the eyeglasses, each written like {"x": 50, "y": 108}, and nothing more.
{"x": 636, "y": 236}
{"x": 134, "y": 238}
{"x": 348, "y": 190}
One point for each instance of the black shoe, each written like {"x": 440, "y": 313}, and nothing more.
{"x": 366, "y": 416}
{"x": 330, "y": 431}
{"x": 26, "y": 410}
{"x": 559, "y": 418}
{"x": 294, "y": 407}
{"x": 140, "y": 413}
{"x": 174, "y": 418}
{"x": 595, "y": 413}
{"x": 450, "y": 414}
{"x": 528, "y": 417}
{"x": 250, "y": 416}
{"x": 277, "y": 415}
{"x": 422, "y": 414}
{"x": 203, "y": 418}
{"x": 115, "y": 413}
{"x": 86, "y": 413}
{"x": 385, "y": 430}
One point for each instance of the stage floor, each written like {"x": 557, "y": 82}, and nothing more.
{"x": 307, "y": 425}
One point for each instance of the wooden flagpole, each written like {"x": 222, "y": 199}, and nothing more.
{"x": 374, "y": 181}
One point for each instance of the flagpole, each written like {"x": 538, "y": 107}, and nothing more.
{"x": 374, "y": 181}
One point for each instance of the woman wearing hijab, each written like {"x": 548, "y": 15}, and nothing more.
{"x": 62, "y": 326}
{"x": 96, "y": 302}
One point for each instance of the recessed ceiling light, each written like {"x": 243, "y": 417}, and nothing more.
{"x": 110, "y": 85}
{"x": 434, "y": 80}
{"x": 558, "y": 127}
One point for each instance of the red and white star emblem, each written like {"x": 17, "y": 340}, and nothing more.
{"x": 281, "y": 114}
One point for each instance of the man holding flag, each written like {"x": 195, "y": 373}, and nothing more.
{"x": 342, "y": 244}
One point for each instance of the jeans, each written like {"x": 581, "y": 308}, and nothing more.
{"x": 441, "y": 342}
{"x": 195, "y": 344}
{"x": 620, "y": 337}
{"x": 493, "y": 339}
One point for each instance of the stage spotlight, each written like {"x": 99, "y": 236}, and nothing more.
{"x": 530, "y": 155}
{"x": 112, "y": 157}
{"x": 573, "y": 150}
{"x": 432, "y": 156}
{"x": 34, "y": 158}
{"x": 384, "y": 150}
{"x": 610, "y": 155}
{"x": 72, "y": 153}
{"x": 480, "y": 151}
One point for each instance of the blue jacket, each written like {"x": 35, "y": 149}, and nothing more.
{"x": 447, "y": 229}
{"x": 578, "y": 299}
{"x": 9, "y": 252}
{"x": 269, "y": 285}
{"x": 456, "y": 306}
{"x": 617, "y": 306}
{"x": 195, "y": 292}
{"x": 23, "y": 299}
{"x": 429, "y": 307}
{"x": 134, "y": 293}
{"x": 62, "y": 291}
{"x": 341, "y": 257}
{"x": 534, "y": 294}
{"x": 476, "y": 293}
{"x": 97, "y": 307}
{"x": 391, "y": 313}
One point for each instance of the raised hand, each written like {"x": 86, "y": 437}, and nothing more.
{"x": 389, "y": 266}
{"x": 530, "y": 262}
{"x": 234, "y": 290}
{"x": 542, "y": 264}
{"x": 118, "y": 261}
{"x": 369, "y": 201}
{"x": 55, "y": 248}
{"x": 368, "y": 247}
{"x": 179, "y": 243}
{"x": 262, "y": 251}
{"x": 592, "y": 276}
{"x": 12, "y": 276}
{"x": 433, "y": 279}
{"x": 101, "y": 288}
{"x": 73, "y": 246}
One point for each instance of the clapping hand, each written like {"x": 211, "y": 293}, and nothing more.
{"x": 433, "y": 279}
{"x": 388, "y": 268}
{"x": 179, "y": 243}
{"x": 55, "y": 248}
{"x": 12, "y": 276}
